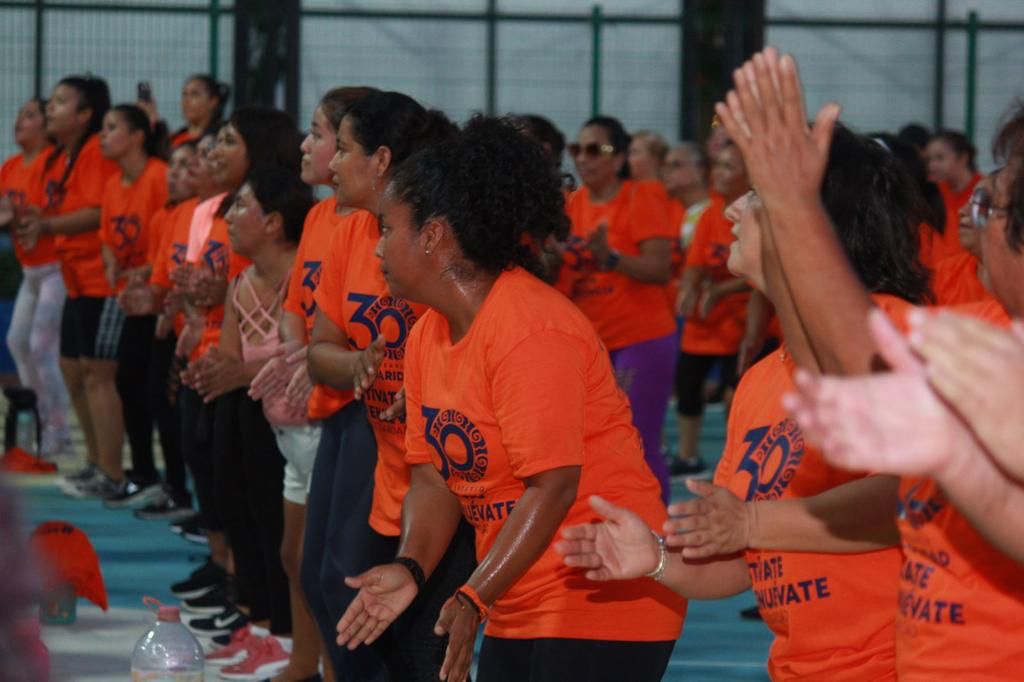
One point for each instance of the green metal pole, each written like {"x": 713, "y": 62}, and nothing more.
{"x": 214, "y": 36}
{"x": 938, "y": 102}
{"x": 972, "y": 72}
{"x": 492, "y": 58}
{"x": 38, "y": 61}
{"x": 595, "y": 48}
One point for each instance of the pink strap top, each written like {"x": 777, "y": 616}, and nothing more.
{"x": 258, "y": 331}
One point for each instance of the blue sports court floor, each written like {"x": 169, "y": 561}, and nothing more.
{"x": 140, "y": 558}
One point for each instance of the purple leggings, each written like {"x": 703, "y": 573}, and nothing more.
{"x": 644, "y": 371}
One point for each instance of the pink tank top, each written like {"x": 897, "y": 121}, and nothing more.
{"x": 258, "y": 331}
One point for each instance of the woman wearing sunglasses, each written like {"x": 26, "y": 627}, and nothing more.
{"x": 621, "y": 243}
{"x": 957, "y": 278}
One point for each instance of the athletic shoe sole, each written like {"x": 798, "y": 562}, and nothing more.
{"x": 264, "y": 671}
{"x": 203, "y": 610}
{"x": 194, "y": 594}
{"x": 195, "y": 538}
{"x": 237, "y": 658}
{"x": 140, "y": 499}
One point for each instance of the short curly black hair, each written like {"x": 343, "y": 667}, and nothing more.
{"x": 496, "y": 189}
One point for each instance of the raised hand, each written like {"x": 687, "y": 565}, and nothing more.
{"x": 619, "y": 548}
{"x": 597, "y": 244}
{"x": 385, "y": 591}
{"x": 367, "y": 364}
{"x": 460, "y": 621}
{"x": 765, "y": 117}
{"x": 715, "y": 523}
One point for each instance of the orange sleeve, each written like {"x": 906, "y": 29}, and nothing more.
{"x": 649, "y": 213}
{"x": 332, "y": 279}
{"x": 161, "y": 275}
{"x": 159, "y": 228}
{"x": 539, "y": 394}
{"x": 697, "y": 253}
{"x": 416, "y": 451}
{"x": 293, "y": 300}
{"x": 93, "y": 173}
{"x": 109, "y": 206}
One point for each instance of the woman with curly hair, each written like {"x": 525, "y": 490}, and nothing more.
{"x": 513, "y": 418}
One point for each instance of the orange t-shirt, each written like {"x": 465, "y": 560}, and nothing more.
{"x": 721, "y": 332}
{"x": 623, "y": 310}
{"x": 529, "y": 389}
{"x": 173, "y": 249}
{"x": 81, "y": 260}
{"x": 315, "y": 255}
{"x": 934, "y": 246}
{"x": 17, "y": 180}
{"x": 956, "y": 280}
{"x": 181, "y": 137}
{"x": 832, "y": 614}
{"x": 216, "y": 256}
{"x": 961, "y": 601}
{"x": 126, "y": 217}
{"x": 676, "y": 218}
{"x": 355, "y": 297}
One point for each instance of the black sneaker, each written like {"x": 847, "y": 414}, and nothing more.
{"x": 170, "y": 508}
{"x": 178, "y": 527}
{"x": 136, "y": 493}
{"x": 209, "y": 604}
{"x": 753, "y": 613}
{"x": 685, "y": 468}
{"x": 194, "y": 532}
{"x": 203, "y": 580}
{"x": 224, "y": 623}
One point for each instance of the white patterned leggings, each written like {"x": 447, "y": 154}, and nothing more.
{"x": 34, "y": 342}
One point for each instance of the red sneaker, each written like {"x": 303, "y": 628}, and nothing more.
{"x": 267, "y": 660}
{"x": 243, "y": 644}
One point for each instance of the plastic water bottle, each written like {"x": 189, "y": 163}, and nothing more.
{"x": 25, "y": 433}
{"x": 168, "y": 652}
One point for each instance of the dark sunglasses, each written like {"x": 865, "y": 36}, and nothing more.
{"x": 982, "y": 208}
{"x": 592, "y": 150}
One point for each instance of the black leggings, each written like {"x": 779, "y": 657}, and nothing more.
{"x": 691, "y": 372}
{"x": 197, "y": 449}
{"x": 579, "y": 660}
{"x": 168, "y": 417}
{"x": 248, "y": 479}
{"x": 132, "y": 385}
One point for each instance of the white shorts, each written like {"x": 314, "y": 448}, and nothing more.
{"x": 298, "y": 444}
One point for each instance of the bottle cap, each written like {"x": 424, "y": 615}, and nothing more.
{"x": 170, "y": 614}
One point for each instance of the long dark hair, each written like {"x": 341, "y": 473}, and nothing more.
{"x": 398, "y": 122}
{"x": 876, "y": 209}
{"x": 155, "y": 137}
{"x": 93, "y": 94}
{"x": 214, "y": 88}
{"x": 271, "y": 139}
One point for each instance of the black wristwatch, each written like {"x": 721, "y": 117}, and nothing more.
{"x": 612, "y": 261}
{"x": 415, "y": 569}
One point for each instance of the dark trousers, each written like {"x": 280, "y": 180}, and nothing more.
{"x": 167, "y": 416}
{"x": 133, "y": 387}
{"x": 339, "y": 541}
{"x": 580, "y": 660}
{"x": 691, "y": 372}
{"x": 248, "y": 480}
{"x": 197, "y": 420}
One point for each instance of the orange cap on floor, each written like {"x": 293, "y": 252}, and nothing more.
{"x": 67, "y": 553}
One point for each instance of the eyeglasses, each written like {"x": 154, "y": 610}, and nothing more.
{"x": 982, "y": 208}
{"x": 592, "y": 150}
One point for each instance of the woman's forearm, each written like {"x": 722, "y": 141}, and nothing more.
{"x": 332, "y": 365}
{"x": 430, "y": 515}
{"x": 76, "y": 222}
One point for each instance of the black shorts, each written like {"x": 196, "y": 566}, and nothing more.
{"x": 90, "y": 327}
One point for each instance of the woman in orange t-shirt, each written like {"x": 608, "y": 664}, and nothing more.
{"x": 34, "y": 334}
{"x": 714, "y": 304}
{"x": 514, "y": 417}
{"x": 71, "y": 192}
{"x": 358, "y": 344}
{"x": 203, "y": 102}
{"x": 804, "y": 594}
{"x": 957, "y": 278}
{"x": 951, "y": 165}
{"x": 287, "y": 374}
{"x": 623, "y": 231}
{"x": 131, "y": 198}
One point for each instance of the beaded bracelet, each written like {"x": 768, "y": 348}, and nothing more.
{"x": 470, "y": 595}
{"x": 415, "y": 569}
{"x": 659, "y": 572}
